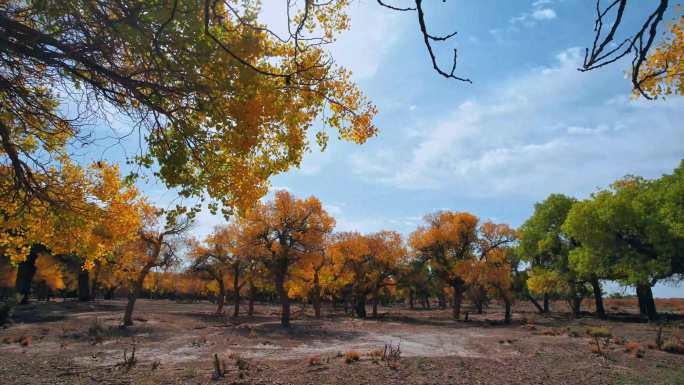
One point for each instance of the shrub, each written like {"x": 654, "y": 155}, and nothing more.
{"x": 673, "y": 346}
{"x": 97, "y": 332}
{"x": 635, "y": 348}
{"x": 26, "y": 341}
{"x": 314, "y": 361}
{"x": 599, "y": 334}
{"x": 351, "y": 356}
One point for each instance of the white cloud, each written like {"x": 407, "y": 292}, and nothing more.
{"x": 544, "y": 14}
{"x": 535, "y": 134}
{"x": 540, "y": 11}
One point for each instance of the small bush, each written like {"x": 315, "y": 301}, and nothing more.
{"x": 97, "y": 332}
{"x": 26, "y": 341}
{"x": 673, "y": 346}
{"x": 600, "y": 335}
{"x": 599, "y": 332}
{"x": 314, "y": 361}
{"x": 635, "y": 348}
{"x": 351, "y": 356}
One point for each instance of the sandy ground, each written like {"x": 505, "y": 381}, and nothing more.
{"x": 81, "y": 343}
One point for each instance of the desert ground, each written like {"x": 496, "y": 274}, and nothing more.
{"x": 178, "y": 343}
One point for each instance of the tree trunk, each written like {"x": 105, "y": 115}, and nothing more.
{"x": 252, "y": 294}
{"x": 25, "y": 273}
{"x": 134, "y": 294}
{"x": 411, "y": 306}
{"x": 221, "y": 300}
{"x": 458, "y": 299}
{"x": 94, "y": 287}
{"x": 535, "y": 303}
{"x": 647, "y": 305}
{"x": 427, "y": 301}
{"x": 598, "y": 298}
{"x": 376, "y": 295}
{"x": 442, "y": 300}
{"x": 83, "y": 285}
{"x": 316, "y": 295}
{"x": 360, "y": 306}
{"x": 109, "y": 293}
{"x": 284, "y": 301}
{"x": 479, "y": 303}
{"x": 236, "y": 292}
{"x": 507, "y": 317}
{"x": 546, "y": 303}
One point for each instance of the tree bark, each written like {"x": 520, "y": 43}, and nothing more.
{"x": 507, "y": 317}
{"x": 427, "y": 301}
{"x": 598, "y": 298}
{"x": 535, "y": 303}
{"x": 647, "y": 305}
{"x": 458, "y": 299}
{"x": 376, "y": 295}
{"x": 284, "y": 301}
{"x": 134, "y": 294}
{"x": 221, "y": 300}
{"x": 236, "y": 292}
{"x": 411, "y": 306}
{"x": 25, "y": 273}
{"x": 546, "y": 303}
{"x": 94, "y": 288}
{"x": 316, "y": 295}
{"x": 252, "y": 294}
{"x": 83, "y": 285}
{"x": 442, "y": 300}
{"x": 360, "y": 306}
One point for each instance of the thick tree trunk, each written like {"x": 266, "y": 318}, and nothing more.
{"x": 95, "y": 286}
{"x": 480, "y": 299}
{"x": 252, "y": 294}
{"x": 109, "y": 293}
{"x": 442, "y": 300}
{"x": 221, "y": 299}
{"x": 236, "y": 293}
{"x": 376, "y": 295}
{"x": 507, "y": 317}
{"x": 360, "y": 306}
{"x": 458, "y": 299}
{"x": 83, "y": 285}
{"x": 535, "y": 303}
{"x": 546, "y": 303}
{"x": 284, "y": 301}
{"x": 316, "y": 295}
{"x": 133, "y": 295}
{"x": 128, "y": 315}
{"x": 598, "y": 298}
{"x": 647, "y": 305}
{"x": 25, "y": 272}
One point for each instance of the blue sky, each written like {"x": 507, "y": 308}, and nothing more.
{"x": 529, "y": 125}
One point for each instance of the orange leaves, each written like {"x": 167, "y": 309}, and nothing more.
{"x": 663, "y": 72}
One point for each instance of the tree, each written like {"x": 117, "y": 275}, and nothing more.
{"x": 287, "y": 230}
{"x": 223, "y": 102}
{"x": 99, "y": 211}
{"x": 224, "y": 256}
{"x": 546, "y": 246}
{"x": 623, "y": 231}
{"x": 448, "y": 239}
{"x": 663, "y": 71}
{"x": 155, "y": 247}
{"x": 368, "y": 263}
